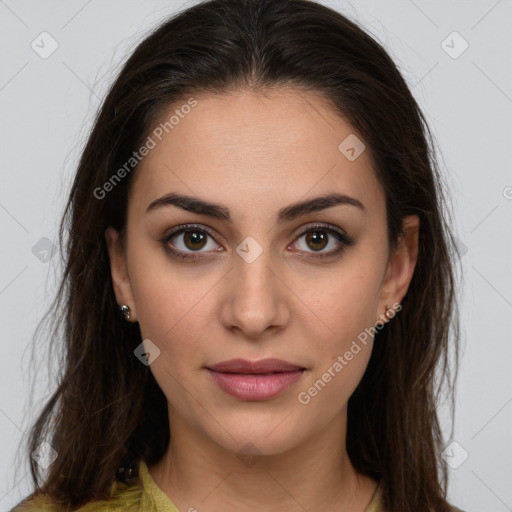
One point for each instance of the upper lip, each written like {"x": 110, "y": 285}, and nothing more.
{"x": 251, "y": 367}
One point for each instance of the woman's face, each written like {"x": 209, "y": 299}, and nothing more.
{"x": 248, "y": 281}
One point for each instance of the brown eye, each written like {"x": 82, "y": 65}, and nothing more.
{"x": 316, "y": 240}
{"x": 188, "y": 242}
{"x": 194, "y": 240}
{"x": 319, "y": 237}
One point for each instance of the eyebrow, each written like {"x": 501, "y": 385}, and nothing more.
{"x": 288, "y": 213}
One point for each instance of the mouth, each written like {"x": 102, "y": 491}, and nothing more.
{"x": 255, "y": 380}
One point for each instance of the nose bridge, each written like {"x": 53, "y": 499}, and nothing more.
{"x": 253, "y": 266}
{"x": 255, "y": 296}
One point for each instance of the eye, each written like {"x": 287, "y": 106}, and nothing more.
{"x": 322, "y": 236}
{"x": 188, "y": 238}
{"x": 182, "y": 242}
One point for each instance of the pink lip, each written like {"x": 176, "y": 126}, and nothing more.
{"x": 258, "y": 380}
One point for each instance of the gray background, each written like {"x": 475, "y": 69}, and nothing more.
{"x": 47, "y": 105}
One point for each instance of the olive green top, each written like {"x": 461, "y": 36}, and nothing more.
{"x": 140, "y": 495}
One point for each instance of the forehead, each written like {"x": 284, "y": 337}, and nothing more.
{"x": 251, "y": 149}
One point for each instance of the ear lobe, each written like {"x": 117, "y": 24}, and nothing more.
{"x": 401, "y": 265}
{"x": 118, "y": 271}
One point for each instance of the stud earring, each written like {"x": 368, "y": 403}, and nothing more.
{"x": 125, "y": 311}
{"x": 389, "y": 313}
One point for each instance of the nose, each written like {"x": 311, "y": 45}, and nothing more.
{"x": 255, "y": 299}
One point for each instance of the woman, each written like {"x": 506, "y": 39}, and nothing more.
{"x": 260, "y": 202}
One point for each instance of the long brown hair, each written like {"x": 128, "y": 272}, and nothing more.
{"x": 108, "y": 409}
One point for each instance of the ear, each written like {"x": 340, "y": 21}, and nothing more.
{"x": 400, "y": 269}
{"x": 120, "y": 280}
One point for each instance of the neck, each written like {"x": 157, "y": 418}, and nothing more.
{"x": 198, "y": 474}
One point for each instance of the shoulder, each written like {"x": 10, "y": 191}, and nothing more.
{"x": 377, "y": 505}
{"x": 123, "y": 498}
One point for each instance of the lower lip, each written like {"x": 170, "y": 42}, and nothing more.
{"x": 255, "y": 386}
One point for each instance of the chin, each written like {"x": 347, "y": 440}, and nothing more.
{"x": 250, "y": 437}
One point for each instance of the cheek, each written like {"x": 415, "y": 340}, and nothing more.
{"x": 346, "y": 297}
{"x": 174, "y": 304}
{"x": 348, "y": 305}
{"x": 330, "y": 390}
{"x": 337, "y": 374}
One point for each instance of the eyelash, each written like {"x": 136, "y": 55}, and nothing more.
{"x": 344, "y": 240}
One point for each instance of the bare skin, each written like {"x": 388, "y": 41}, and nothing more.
{"x": 255, "y": 154}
